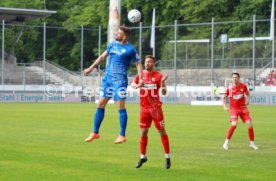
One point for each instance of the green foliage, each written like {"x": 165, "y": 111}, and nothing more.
{"x": 63, "y": 46}
{"x": 30, "y": 4}
{"x": 247, "y": 9}
{"x": 86, "y": 13}
{"x": 23, "y": 41}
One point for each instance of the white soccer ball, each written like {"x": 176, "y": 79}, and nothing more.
{"x": 134, "y": 16}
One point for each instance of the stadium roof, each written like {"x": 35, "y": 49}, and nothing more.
{"x": 19, "y": 15}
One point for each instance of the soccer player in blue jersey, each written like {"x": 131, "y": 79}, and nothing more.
{"x": 114, "y": 83}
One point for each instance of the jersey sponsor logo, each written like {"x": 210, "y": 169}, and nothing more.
{"x": 116, "y": 51}
{"x": 238, "y": 96}
{"x": 150, "y": 86}
{"x": 123, "y": 50}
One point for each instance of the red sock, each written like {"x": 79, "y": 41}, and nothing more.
{"x": 251, "y": 133}
{"x": 230, "y": 132}
{"x": 143, "y": 144}
{"x": 165, "y": 142}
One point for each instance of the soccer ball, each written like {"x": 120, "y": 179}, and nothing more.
{"x": 134, "y": 16}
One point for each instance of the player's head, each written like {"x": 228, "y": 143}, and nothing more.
{"x": 235, "y": 78}
{"x": 149, "y": 62}
{"x": 122, "y": 33}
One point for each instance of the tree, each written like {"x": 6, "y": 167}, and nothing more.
{"x": 63, "y": 43}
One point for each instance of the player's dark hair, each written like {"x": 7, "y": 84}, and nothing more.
{"x": 235, "y": 73}
{"x": 125, "y": 29}
{"x": 151, "y": 57}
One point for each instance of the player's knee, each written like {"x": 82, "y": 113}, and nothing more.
{"x": 144, "y": 132}
{"x": 121, "y": 104}
{"x": 248, "y": 124}
{"x": 234, "y": 123}
{"x": 162, "y": 132}
{"x": 102, "y": 103}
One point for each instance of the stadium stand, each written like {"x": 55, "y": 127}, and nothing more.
{"x": 202, "y": 77}
{"x": 271, "y": 78}
{"x": 33, "y": 73}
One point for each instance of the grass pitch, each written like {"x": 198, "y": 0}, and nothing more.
{"x": 46, "y": 142}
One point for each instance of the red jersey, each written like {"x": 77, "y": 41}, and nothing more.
{"x": 149, "y": 94}
{"x": 236, "y": 94}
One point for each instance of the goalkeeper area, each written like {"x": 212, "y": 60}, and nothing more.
{"x": 45, "y": 141}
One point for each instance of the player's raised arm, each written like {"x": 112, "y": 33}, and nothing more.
{"x": 96, "y": 63}
{"x": 134, "y": 82}
{"x": 133, "y": 85}
{"x": 140, "y": 73}
{"x": 163, "y": 84}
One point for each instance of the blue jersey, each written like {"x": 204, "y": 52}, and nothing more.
{"x": 115, "y": 80}
{"x": 120, "y": 57}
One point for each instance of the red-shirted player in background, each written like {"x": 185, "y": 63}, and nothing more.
{"x": 239, "y": 98}
{"x": 150, "y": 108}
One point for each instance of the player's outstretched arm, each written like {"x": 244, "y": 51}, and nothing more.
{"x": 102, "y": 57}
{"x": 224, "y": 103}
{"x": 134, "y": 85}
{"x": 163, "y": 84}
{"x": 140, "y": 74}
{"x": 164, "y": 78}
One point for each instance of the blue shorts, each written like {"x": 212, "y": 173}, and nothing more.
{"x": 116, "y": 88}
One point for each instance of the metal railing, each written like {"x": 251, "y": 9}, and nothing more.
{"x": 176, "y": 49}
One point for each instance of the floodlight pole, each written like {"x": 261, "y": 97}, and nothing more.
{"x": 212, "y": 55}
{"x": 113, "y": 21}
{"x": 273, "y": 52}
{"x": 222, "y": 57}
{"x": 253, "y": 51}
{"x": 175, "y": 53}
{"x": 99, "y": 44}
{"x": 3, "y": 51}
{"x": 140, "y": 40}
{"x": 272, "y": 33}
{"x": 44, "y": 54}
{"x": 99, "y": 52}
{"x": 152, "y": 38}
{"x": 81, "y": 63}
{"x": 186, "y": 55}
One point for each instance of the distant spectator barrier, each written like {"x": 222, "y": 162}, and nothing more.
{"x": 196, "y": 98}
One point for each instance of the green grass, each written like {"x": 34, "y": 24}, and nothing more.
{"x": 46, "y": 142}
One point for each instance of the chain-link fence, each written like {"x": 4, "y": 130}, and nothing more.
{"x": 192, "y": 54}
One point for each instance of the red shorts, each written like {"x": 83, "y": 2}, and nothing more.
{"x": 149, "y": 114}
{"x": 243, "y": 113}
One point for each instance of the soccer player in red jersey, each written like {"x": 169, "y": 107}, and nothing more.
{"x": 239, "y": 99}
{"x": 150, "y": 108}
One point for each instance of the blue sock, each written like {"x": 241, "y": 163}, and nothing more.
{"x": 123, "y": 121}
{"x": 98, "y": 118}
